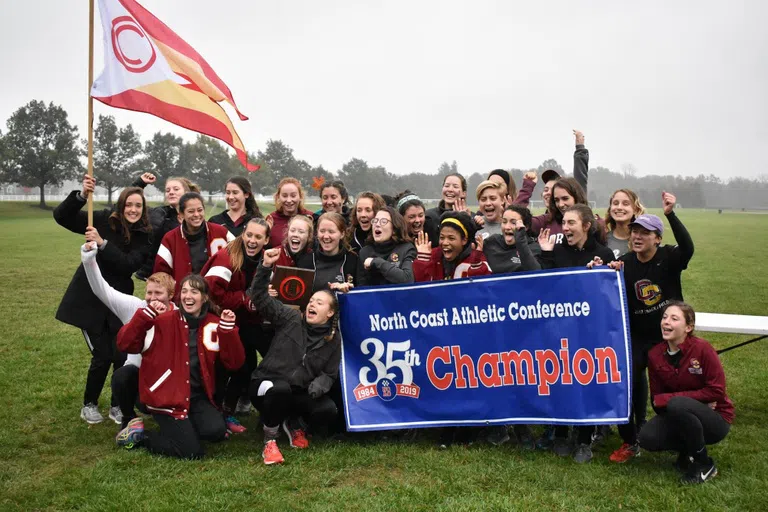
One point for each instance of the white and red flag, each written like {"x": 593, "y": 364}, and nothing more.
{"x": 148, "y": 68}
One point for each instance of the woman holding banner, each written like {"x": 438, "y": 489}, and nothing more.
{"x": 333, "y": 261}
{"x": 388, "y": 257}
{"x": 122, "y": 237}
{"x": 581, "y": 248}
{"x": 302, "y": 364}
{"x": 688, "y": 393}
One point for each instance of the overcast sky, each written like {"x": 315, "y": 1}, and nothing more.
{"x": 670, "y": 87}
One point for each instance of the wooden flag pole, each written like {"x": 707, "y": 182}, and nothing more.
{"x": 90, "y": 107}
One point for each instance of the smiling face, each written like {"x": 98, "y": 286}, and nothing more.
{"x": 562, "y": 198}
{"x": 254, "y": 238}
{"x": 191, "y": 299}
{"x": 491, "y": 204}
{"x": 414, "y": 218}
{"x": 674, "y": 327}
{"x": 382, "y": 227}
{"x": 329, "y": 237}
{"x": 331, "y": 199}
{"x": 155, "y": 291}
{"x": 173, "y": 191}
{"x": 194, "y": 214}
{"x": 510, "y": 222}
{"x": 452, "y": 190}
{"x": 319, "y": 309}
{"x": 574, "y": 229}
{"x": 451, "y": 242}
{"x": 298, "y": 235}
{"x": 235, "y": 197}
{"x": 643, "y": 241}
{"x": 134, "y": 204}
{"x": 364, "y": 213}
{"x": 622, "y": 210}
{"x": 289, "y": 198}
{"x": 547, "y": 191}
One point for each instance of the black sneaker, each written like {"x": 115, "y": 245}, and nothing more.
{"x": 524, "y": 437}
{"x": 497, "y": 435}
{"x": 682, "y": 462}
{"x": 583, "y": 453}
{"x": 562, "y": 446}
{"x": 698, "y": 472}
{"x": 547, "y": 439}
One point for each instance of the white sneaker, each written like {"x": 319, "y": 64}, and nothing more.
{"x": 90, "y": 413}
{"x": 116, "y": 415}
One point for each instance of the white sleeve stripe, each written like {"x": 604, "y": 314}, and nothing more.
{"x": 149, "y": 312}
{"x": 164, "y": 253}
{"x": 218, "y": 271}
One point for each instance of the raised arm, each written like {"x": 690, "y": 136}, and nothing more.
{"x": 131, "y": 337}
{"x": 268, "y": 307}
{"x": 580, "y": 161}
{"x": 526, "y": 190}
{"x": 682, "y": 236}
{"x": 121, "y": 304}
{"x": 422, "y": 265}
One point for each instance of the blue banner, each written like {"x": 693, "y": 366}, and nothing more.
{"x": 548, "y": 347}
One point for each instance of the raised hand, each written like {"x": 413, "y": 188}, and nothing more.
{"x": 579, "y": 137}
{"x": 227, "y": 315}
{"x": 270, "y": 256}
{"x": 544, "y": 241}
{"x": 668, "y": 200}
{"x": 89, "y": 184}
{"x": 531, "y": 175}
{"x": 92, "y": 235}
{"x": 460, "y": 205}
{"x": 479, "y": 242}
{"x": 148, "y": 178}
{"x": 422, "y": 243}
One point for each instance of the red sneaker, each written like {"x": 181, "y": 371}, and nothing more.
{"x": 271, "y": 453}
{"x": 234, "y": 425}
{"x": 626, "y": 452}
{"x": 296, "y": 436}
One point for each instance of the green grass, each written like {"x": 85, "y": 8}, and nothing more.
{"x": 51, "y": 460}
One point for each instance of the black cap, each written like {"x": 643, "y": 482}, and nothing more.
{"x": 504, "y": 175}
{"x": 549, "y": 175}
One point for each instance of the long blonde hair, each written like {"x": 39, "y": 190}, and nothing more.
{"x": 236, "y": 248}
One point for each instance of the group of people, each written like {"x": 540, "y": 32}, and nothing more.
{"x": 188, "y": 354}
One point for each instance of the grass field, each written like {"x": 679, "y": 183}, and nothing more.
{"x": 52, "y": 460}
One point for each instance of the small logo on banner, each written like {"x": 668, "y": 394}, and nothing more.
{"x": 384, "y": 385}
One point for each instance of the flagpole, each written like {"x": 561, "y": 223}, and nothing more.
{"x": 90, "y": 107}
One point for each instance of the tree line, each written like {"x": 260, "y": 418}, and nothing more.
{"x": 40, "y": 148}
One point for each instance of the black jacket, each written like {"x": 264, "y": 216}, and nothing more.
{"x": 233, "y": 227}
{"x": 117, "y": 261}
{"x": 290, "y": 356}
{"x": 432, "y": 222}
{"x": 345, "y": 211}
{"x": 341, "y": 268}
{"x": 503, "y": 258}
{"x": 162, "y": 219}
{"x": 358, "y": 239}
{"x": 565, "y": 255}
{"x": 392, "y": 264}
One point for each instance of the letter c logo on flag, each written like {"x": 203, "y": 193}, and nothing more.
{"x": 134, "y": 65}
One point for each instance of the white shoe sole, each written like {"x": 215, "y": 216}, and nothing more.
{"x": 117, "y": 421}
{"x": 82, "y": 416}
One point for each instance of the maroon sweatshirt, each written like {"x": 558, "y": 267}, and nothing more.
{"x": 699, "y": 375}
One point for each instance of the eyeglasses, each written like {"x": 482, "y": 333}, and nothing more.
{"x": 380, "y": 222}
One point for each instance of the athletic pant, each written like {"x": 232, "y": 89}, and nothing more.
{"x": 276, "y": 401}
{"x": 686, "y": 426}
{"x": 181, "y": 438}
{"x": 583, "y": 433}
{"x": 104, "y": 353}
{"x": 254, "y": 339}
{"x": 125, "y": 389}
{"x": 628, "y": 432}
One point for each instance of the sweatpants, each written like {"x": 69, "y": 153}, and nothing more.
{"x": 181, "y": 438}
{"x": 277, "y": 401}
{"x": 125, "y": 389}
{"x": 637, "y": 412}
{"x": 686, "y": 426}
{"x": 104, "y": 353}
{"x": 255, "y": 339}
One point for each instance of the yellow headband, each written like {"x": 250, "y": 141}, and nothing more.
{"x": 458, "y": 223}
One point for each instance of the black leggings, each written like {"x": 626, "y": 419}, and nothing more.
{"x": 282, "y": 401}
{"x": 686, "y": 426}
{"x": 583, "y": 433}
{"x": 254, "y": 338}
{"x": 181, "y": 438}
{"x": 628, "y": 432}
{"x": 125, "y": 389}
{"x": 104, "y": 354}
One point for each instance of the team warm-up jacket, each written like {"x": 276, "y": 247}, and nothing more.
{"x": 174, "y": 257}
{"x": 290, "y": 357}
{"x": 653, "y": 284}
{"x": 279, "y": 228}
{"x": 698, "y": 375}
{"x": 521, "y": 256}
{"x": 228, "y": 288}
{"x": 429, "y": 266}
{"x": 564, "y": 255}
{"x": 164, "y": 377}
{"x": 233, "y": 226}
{"x": 339, "y": 268}
{"x": 117, "y": 261}
{"x": 392, "y": 264}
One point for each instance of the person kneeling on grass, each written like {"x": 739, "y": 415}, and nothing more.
{"x": 688, "y": 393}
{"x": 302, "y": 364}
{"x": 178, "y": 371}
